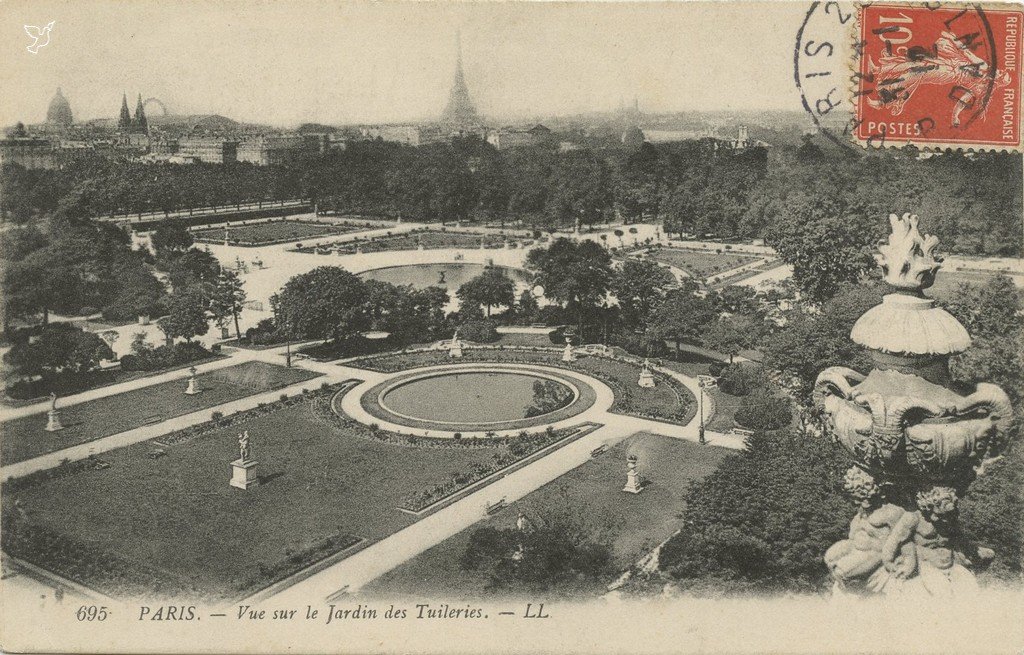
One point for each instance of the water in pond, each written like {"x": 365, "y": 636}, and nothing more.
{"x": 477, "y": 397}
{"x": 450, "y": 276}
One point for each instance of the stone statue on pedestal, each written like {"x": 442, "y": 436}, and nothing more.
{"x": 646, "y": 379}
{"x": 634, "y": 483}
{"x": 455, "y": 346}
{"x": 53, "y": 423}
{"x": 192, "y": 388}
{"x": 568, "y": 354}
{"x": 917, "y": 441}
{"x": 243, "y": 469}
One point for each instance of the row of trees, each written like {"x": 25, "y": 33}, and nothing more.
{"x": 790, "y": 196}
{"x": 97, "y": 187}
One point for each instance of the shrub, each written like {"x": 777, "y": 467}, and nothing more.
{"x": 151, "y": 359}
{"x": 762, "y": 411}
{"x": 483, "y": 331}
{"x": 742, "y": 379}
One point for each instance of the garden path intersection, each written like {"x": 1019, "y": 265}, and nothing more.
{"x": 363, "y": 566}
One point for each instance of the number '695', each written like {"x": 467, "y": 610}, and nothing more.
{"x": 91, "y": 613}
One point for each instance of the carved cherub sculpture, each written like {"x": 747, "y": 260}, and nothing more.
{"x": 873, "y": 554}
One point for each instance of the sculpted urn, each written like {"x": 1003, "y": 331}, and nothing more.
{"x": 917, "y": 439}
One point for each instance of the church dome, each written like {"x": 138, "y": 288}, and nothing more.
{"x": 59, "y": 112}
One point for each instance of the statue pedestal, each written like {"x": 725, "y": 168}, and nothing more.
{"x": 646, "y": 379}
{"x": 455, "y": 352}
{"x": 568, "y": 355}
{"x": 243, "y": 474}
{"x": 634, "y": 484}
{"x": 192, "y": 389}
{"x": 53, "y": 423}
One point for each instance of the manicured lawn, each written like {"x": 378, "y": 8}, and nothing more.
{"x": 178, "y": 515}
{"x": 668, "y": 401}
{"x": 105, "y": 378}
{"x": 701, "y": 263}
{"x": 277, "y": 232}
{"x": 592, "y": 495}
{"x": 25, "y": 438}
{"x": 586, "y": 399}
{"x": 725, "y": 404}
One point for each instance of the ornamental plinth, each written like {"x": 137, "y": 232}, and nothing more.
{"x": 917, "y": 441}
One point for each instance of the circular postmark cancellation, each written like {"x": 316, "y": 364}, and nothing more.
{"x": 934, "y": 76}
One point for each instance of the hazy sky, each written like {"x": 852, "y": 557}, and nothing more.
{"x": 286, "y": 62}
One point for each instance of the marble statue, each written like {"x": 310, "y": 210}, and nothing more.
{"x": 243, "y": 469}
{"x": 918, "y": 441}
{"x": 455, "y": 346}
{"x": 245, "y": 453}
{"x": 646, "y": 379}
{"x": 53, "y": 423}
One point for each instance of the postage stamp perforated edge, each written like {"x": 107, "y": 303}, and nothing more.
{"x": 856, "y": 94}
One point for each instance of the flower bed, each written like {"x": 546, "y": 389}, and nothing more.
{"x": 426, "y": 238}
{"x": 520, "y": 449}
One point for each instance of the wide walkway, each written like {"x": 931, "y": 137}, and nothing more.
{"x": 352, "y": 573}
{"x": 375, "y": 560}
{"x": 352, "y": 406}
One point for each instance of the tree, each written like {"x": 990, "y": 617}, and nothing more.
{"x": 193, "y": 267}
{"x": 580, "y": 188}
{"x": 574, "y": 274}
{"x": 227, "y": 298}
{"x": 527, "y": 306}
{"x": 639, "y": 286}
{"x": 683, "y": 317}
{"x": 762, "y": 521}
{"x": 186, "y": 317}
{"x": 811, "y": 342}
{"x": 731, "y": 334}
{"x": 60, "y": 347}
{"x": 764, "y": 410}
{"x": 490, "y": 288}
{"x": 171, "y": 236}
{"x": 138, "y": 293}
{"x": 328, "y": 302}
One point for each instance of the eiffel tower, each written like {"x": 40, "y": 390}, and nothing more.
{"x": 460, "y": 110}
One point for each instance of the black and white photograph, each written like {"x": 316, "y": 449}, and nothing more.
{"x": 511, "y": 327}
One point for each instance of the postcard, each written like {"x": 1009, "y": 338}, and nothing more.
{"x": 511, "y": 327}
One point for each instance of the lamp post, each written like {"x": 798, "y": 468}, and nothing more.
{"x": 700, "y": 404}
{"x": 704, "y": 383}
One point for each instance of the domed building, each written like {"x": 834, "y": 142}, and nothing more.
{"x": 59, "y": 112}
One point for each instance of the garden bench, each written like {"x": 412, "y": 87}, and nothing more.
{"x": 495, "y": 507}
{"x": 155, "y": 418}
{"x": 743, "y": 432}
{"x": 600, "y": 449}
{"x": 156, "y": 454}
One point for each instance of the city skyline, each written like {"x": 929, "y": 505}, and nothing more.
{"x": 333, "y": 67}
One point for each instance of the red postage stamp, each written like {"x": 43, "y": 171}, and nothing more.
{"x": 940, "y": 75}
